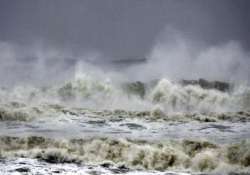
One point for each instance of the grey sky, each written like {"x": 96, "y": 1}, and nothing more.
{"x": 121, "y": 28}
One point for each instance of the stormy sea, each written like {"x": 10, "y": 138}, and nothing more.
{"x": 94, "y": 125}
{"x": 114, "y": 87}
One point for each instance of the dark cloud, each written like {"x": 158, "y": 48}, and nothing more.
{"x": 121, "y": 28}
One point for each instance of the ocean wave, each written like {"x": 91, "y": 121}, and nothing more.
{"x": 159, "y": 95}
{"x": 198, "y": 156}
{"x": 15, "y": 111}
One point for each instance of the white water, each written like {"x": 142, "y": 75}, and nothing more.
{"x": 85, "y": 102}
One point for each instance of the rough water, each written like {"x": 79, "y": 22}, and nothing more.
{"x": 95, "y": 126}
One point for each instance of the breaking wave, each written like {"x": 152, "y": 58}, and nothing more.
{"x": 201, "y": 156}
{"x": 160, "y": 95}
{"x": 21, "y": 112}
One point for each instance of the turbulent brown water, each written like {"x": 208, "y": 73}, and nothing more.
{"x": 96, "y": 126}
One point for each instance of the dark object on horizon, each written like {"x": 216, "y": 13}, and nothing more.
{"x": 128, "y": 61}
{"x": 219, "y": 85}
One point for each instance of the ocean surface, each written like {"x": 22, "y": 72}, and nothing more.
{"x": 94, "y": 126}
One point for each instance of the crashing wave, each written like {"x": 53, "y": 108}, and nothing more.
{"x": 165, "y": 95}
{"x": 16, "y": 111}
{"x": 201, "y": 156}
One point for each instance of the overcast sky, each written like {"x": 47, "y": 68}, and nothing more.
{"x": 122, "y": 28}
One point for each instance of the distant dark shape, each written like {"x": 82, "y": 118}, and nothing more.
{"x": 23, "y": 170}
{"x": 135, "y": 88}
{"x": 205, "y": 84}
{"x": 128, "y": 61}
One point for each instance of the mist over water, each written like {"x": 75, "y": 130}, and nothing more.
{"x": 53, "y": 93}
{"x": 176, "y": 56}
{"x": 90, "y": 82}
{"x": 120, "y": 87}
{"x": 173, "y": 56}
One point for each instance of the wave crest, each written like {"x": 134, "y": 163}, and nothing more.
{"x": 166, "y": 155}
